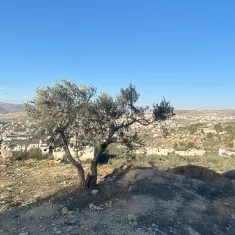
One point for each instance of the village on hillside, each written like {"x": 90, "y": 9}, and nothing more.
{"x": 191, "y": 133}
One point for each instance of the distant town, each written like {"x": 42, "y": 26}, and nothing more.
{"x": 191, "y": 133}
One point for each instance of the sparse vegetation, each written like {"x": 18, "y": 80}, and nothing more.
{"x": 218, "y": 127}
{"x": 35, "y": 153}
{"x": 209, "y": 135}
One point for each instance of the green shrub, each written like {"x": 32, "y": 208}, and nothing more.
{"x": 218, "y": 128}
{"x": 35, "y": 153}
{"x": 209, "y": 135}
{"x": 190, "y": 145}
{"x": 20, "y": 156}
{"x": 229, "y": 129}
{"x": 230, "y": 145}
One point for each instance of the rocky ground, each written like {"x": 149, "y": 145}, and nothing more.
{"x": 134, "y": 201}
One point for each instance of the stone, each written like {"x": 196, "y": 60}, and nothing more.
{"x": 193, "y": 232}
{"x": 65, "y": 211}
{"x": 71, "y": 214}
{"x": 84, "y": 227}
{"x": 73, "y": 222}
{"x": 91, "y": 206}
{"x": 58, "y": 232}
{"x": 94, "y": 192}
{"x": 135, "y": 224}
{"x": 69, "y": 229}
{"x": 131, "y": 218}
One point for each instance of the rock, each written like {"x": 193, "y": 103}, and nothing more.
{"x": 94, "y": 192}
{"x": 73, "y": 222}
{"x": 192, "y": 231}
{"x": 69, "y": 229}
{"x": 135, "y": 224}
{"x": 58, "y": 232}
{"x": 91, "y": 206}
{"x": 71, "y": 214}
{"x": 84, "y": 227}
{"x": 131, "y": 218}
{"x": 65, "y": 211}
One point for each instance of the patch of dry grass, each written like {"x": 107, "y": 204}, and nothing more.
{"x": 220, "y": 164}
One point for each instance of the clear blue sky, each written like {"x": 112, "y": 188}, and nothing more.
{"x": 183, "y": 50}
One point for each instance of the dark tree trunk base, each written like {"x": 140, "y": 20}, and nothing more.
{"x": 90, "y": 181}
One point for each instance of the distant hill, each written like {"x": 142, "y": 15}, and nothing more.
{"x": 10, "y": 108}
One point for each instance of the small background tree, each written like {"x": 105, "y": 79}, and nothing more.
{"x": 218, "y": 128}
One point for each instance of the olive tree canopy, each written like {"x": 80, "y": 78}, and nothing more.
{"x": 60, "y": 112}
{"x": 66, "y": 110}
{"x": 62, "y": 107}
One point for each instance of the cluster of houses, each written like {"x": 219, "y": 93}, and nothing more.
{"x": 88, "y": 152}
{"x": 57, "y": 153}
{"x": 166, "y": 152}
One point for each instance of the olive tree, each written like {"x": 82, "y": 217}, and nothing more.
{"x": 67, "y": 110}
{"x": 111, "y": 119}
{"x": 60, "y": 112}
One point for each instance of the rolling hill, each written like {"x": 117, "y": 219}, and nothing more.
{"x": 10, "y": 108}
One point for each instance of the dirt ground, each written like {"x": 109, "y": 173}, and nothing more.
{"x": 41, "y": 198}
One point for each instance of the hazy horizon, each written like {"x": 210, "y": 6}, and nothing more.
{"x": 181, "y": 50}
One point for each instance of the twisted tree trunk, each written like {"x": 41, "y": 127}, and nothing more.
{"x": 78, "y": 165}
{"x": 91, "y": 179}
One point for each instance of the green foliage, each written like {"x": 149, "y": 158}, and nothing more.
{"x": 20, "y": 156}
{"x": 175, "y": 145}
{"x": 35, "y": 153}
{"x": 72, "y": 111}
{"x": 229, "y": 129}
{"x": 194, "y": 127}
{"x": 218, "y": 128}
{"x": 182, "y": 146}
{"x": 230, "y": 145}
{"x": 62, "y": 107}
{"x": 192, "y": 130}
{"x": 190, "y": 145}
{"x": 163, "y": 111}
{"x": 112, "y": 118}
{"x": 209, "y": 135}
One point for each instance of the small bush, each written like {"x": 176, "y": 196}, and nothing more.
{"x": 209, "y": 135}
{"x": 35, "y": 153}
{"x": 20, "y": 156}
{"x": 218, "y": 128}
{"x": 230, "y": 145}
{"x": 190, "y": 145}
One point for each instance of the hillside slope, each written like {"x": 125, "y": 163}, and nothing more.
{"x": 10, "y": 108}
{"x": 137, "y": 201}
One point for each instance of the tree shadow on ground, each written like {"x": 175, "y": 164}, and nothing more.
{"x": 182, "y": 197}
